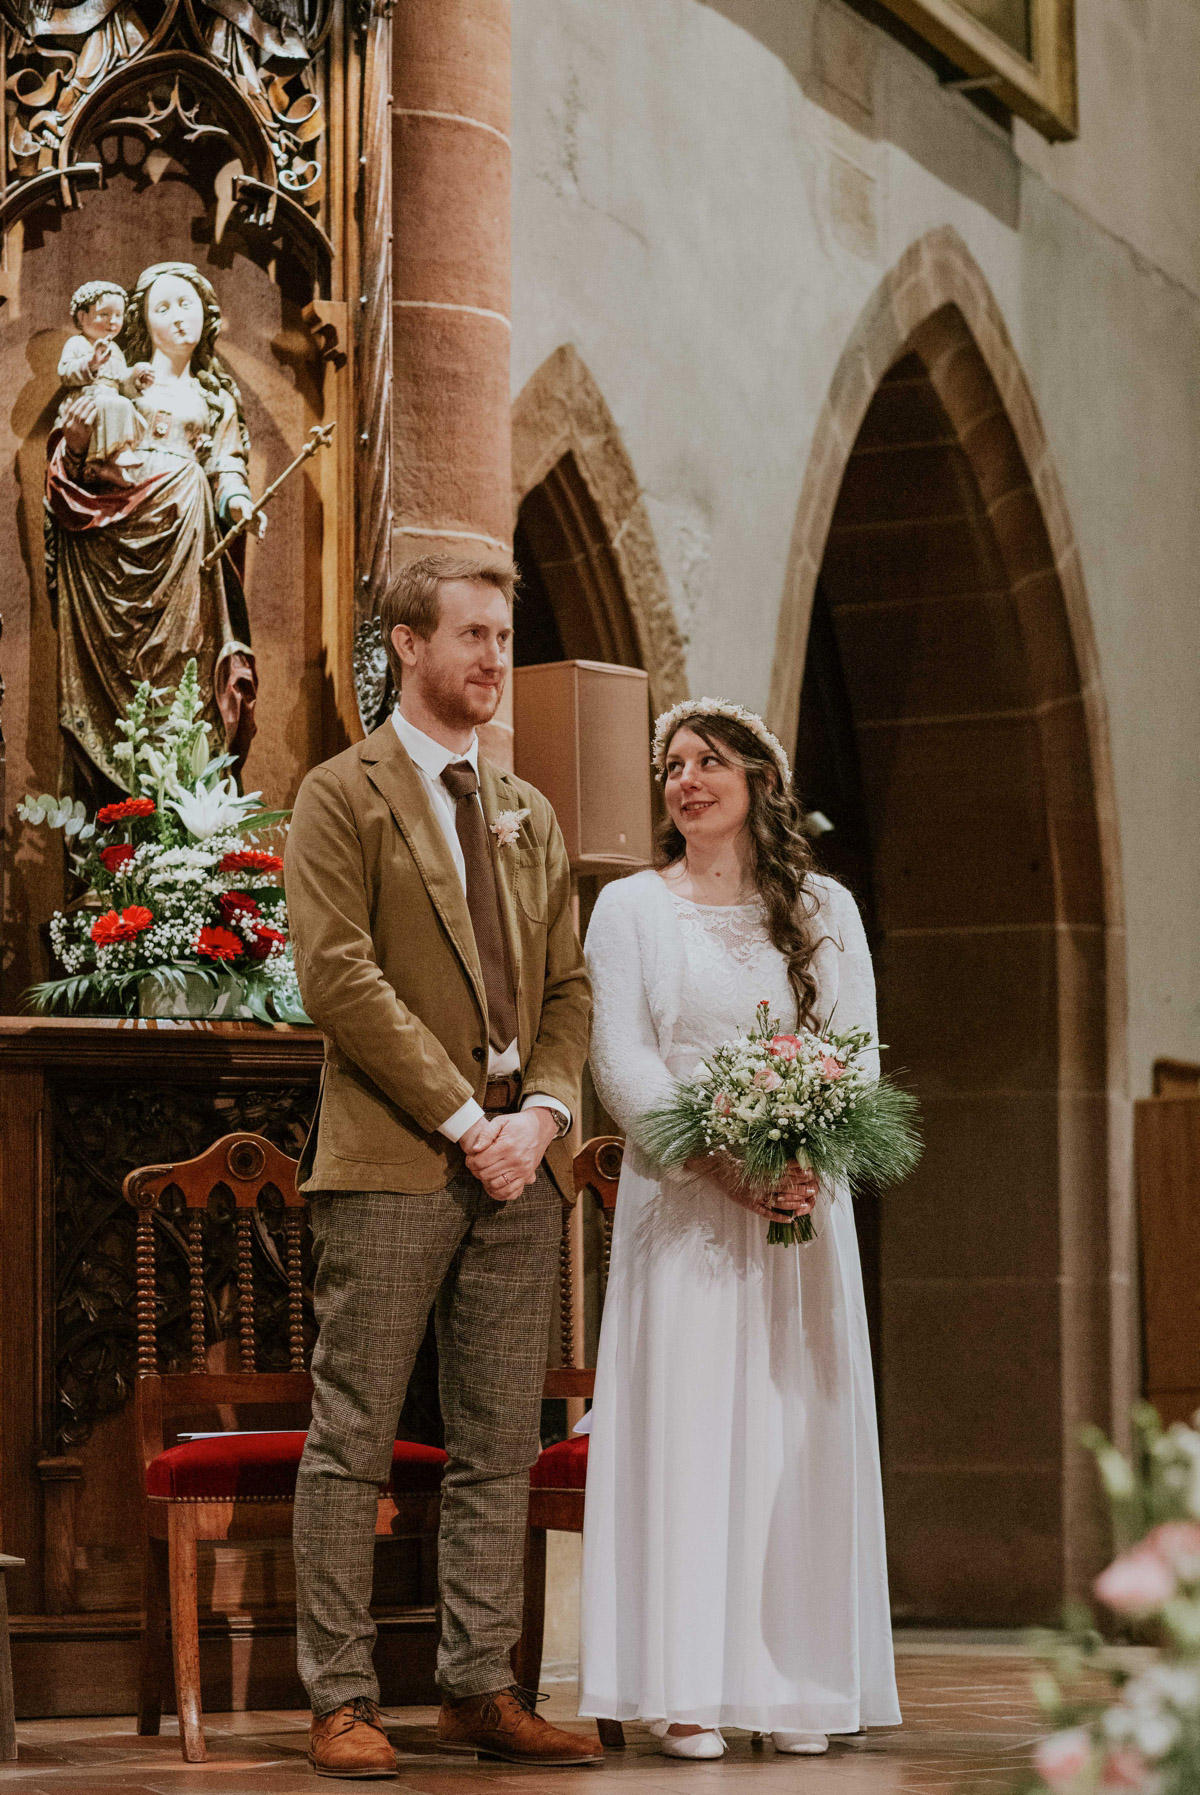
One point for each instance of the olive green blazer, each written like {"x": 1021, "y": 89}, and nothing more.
{"x": 388, "y": 969}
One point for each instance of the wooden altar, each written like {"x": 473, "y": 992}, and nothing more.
{"x": 81, "y": 1102}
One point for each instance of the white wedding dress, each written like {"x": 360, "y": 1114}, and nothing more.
{"x": 734, "y": 1571}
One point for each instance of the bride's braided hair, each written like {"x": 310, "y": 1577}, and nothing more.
{"x": 783, "y": 859}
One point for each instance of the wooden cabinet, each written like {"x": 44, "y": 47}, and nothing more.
{"x": 81, "y": 1102}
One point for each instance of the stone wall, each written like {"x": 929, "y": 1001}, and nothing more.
{"x": 706, "y": 198}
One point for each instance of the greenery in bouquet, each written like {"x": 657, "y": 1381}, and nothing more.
{"x": 769, "y": 1100}
{"x": 177, "y": 887}
{"x": 1129, "y": 1720}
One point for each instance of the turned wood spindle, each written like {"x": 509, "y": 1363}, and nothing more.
{"x": 245, "y": 1282}
{"x": 292, "y": 1223}
{"x": 147, "y": 1339}
{"x": 566, "y": 1316}
{"x": 195, "y": 1253}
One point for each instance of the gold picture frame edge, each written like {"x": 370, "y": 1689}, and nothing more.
{"x": 1043, "y": 91}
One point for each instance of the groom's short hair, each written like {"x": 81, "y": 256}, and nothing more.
{"x": 413, "y": 596}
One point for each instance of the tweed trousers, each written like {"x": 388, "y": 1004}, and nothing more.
{"x": 382, "y": 1260}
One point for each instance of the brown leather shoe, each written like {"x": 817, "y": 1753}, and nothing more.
{"x": 503, "y": 1724}
{"x": 350, "y": 1741}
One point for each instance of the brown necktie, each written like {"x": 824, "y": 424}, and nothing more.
{"x": 484, "y": 904}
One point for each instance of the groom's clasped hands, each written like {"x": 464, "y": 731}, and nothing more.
{"x": 504, "y": 1152}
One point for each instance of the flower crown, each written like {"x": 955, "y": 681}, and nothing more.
{"x": 670, "y": 721}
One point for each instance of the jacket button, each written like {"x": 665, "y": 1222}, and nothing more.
{"x": 477, "y": 1053}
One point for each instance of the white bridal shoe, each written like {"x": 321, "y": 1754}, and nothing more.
{"x": 708, "y": 1744}
{"x": 801, "y": 1745}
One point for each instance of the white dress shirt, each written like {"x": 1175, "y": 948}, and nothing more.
{"x": 431, "y": 760}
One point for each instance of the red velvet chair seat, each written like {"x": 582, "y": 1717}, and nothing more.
{"x": 562, "y": 1467}
{"x": 262, "y": 1466}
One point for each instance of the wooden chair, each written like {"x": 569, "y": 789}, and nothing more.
{"x": 8, "y": 1718}
{"x": 232, "y": 1484}
{"x": 558, "y": 1479}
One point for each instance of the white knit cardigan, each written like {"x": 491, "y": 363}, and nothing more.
{"x": 635, "y": 954}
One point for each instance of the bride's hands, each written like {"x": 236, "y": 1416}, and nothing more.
{"x": 796, "y": 1195}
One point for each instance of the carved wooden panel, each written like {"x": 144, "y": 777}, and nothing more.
{"x": 99, "y": 1132}
{"x": 246, "y": 82}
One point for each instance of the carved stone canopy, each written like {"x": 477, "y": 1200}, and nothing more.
{"x": 246, "y": 78}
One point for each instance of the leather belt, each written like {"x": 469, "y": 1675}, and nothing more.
{"x": 501, "y": 1093}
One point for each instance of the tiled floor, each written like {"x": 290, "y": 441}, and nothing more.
{"x": 968, "y": 1722}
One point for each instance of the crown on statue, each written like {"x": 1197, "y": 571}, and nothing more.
{"x": 671, "y": 720}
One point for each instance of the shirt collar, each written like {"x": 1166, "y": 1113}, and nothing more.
{"x": 431, "y": 756}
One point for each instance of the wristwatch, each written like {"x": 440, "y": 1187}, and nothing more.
{"x": 562, "y": 1121}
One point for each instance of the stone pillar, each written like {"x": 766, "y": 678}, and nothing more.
{"x": 452, "y": 181}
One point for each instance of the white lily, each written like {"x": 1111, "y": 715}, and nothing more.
{"x": 205, "y": 813}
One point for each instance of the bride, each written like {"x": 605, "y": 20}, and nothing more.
{"x": 734, "y": 1571}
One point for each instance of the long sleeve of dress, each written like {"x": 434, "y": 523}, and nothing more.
{"x": 627, "y": 1068}
{"x": 856, "y": 975}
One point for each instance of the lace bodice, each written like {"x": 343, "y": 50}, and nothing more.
{"x": 730, "y": 965}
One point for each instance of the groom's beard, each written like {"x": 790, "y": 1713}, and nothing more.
{"x": 457, "y": 704}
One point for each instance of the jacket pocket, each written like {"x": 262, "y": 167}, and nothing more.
{"x": 531, "y": 887}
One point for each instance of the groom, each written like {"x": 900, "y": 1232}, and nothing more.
{"x": 429, "y": 897}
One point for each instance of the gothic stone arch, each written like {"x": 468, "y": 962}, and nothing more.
{"x": 567, "y": 446}
{"x": 1007, "y": 1321}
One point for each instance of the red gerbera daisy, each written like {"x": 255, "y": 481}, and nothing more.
{"x": 119, "y": 855}
{"x": 219, "y": 944}
{"x": 236, "y": 903}
{"x": 125, "y": 926}
{"x": 250, "y": 860}
{"x": 265, "y": 938}
{"x": 128, "y": 807}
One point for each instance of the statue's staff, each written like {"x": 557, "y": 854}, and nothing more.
{"x": 318, "y": 438}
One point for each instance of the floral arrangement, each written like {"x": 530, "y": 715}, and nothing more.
{"x": 1145, "y": 1737}
{"x": 770, "y": 1099}
{"x": 177, "y": 890}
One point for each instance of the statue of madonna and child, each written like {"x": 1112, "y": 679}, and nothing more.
{"x": 147, "y": 467}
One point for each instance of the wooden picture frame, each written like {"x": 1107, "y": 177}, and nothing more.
{"x": 1037, "y": 82}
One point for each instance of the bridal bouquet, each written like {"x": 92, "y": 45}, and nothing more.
{"x": 180, "y": 902}
{"x": 771, "y": 1100}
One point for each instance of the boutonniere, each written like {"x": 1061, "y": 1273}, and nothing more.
{"x": 507, "y": 826}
